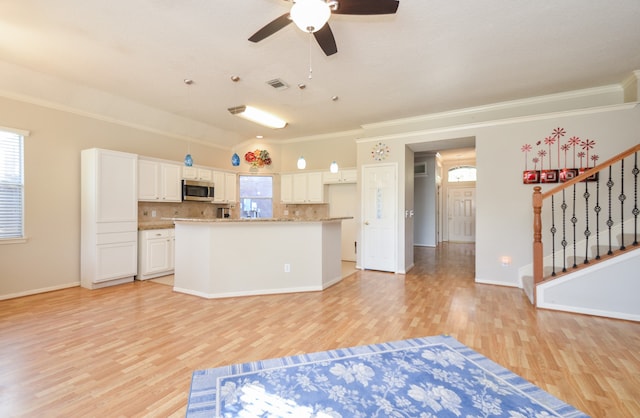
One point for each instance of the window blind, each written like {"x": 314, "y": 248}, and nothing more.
{"x": 11, "y": 185}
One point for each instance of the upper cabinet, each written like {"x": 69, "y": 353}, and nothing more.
{"x": 224, "y": 187}
{"x": 302, "y": 188}
{"x": 197, "y": 173}
{"x": 286, "y": 188}
{"x": 159, "y": 181}
{"x": 341, "y": 177}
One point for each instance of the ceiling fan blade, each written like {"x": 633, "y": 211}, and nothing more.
{"x": 367, "y": 7}
{"x": 326, "y": 40}
{"x": 271, "y": 28}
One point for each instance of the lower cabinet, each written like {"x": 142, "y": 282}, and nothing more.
{"x": 156, "y": 253}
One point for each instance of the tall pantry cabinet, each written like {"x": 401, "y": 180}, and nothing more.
{"x": 109, "y": 218}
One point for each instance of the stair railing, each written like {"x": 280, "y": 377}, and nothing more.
{"x": 565, "y": 243}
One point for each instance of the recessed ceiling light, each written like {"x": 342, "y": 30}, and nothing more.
{"x": 259, "y": 136}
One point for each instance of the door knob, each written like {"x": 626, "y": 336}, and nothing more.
{"x": 366, "y": 222}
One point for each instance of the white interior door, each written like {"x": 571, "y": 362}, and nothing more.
{"x": 343, "y": 202}
{"x": 462, "y": 214}
{"x": 379, "y": 217}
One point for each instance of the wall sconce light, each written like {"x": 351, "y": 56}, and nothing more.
{"x": 333, "y": 167}
{"x": 258, "y": 116}
{"x": 302, "y": 164}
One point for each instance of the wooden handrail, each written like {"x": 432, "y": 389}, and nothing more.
{"x": 589, "y": 172}
{"x": 538, "y": 198}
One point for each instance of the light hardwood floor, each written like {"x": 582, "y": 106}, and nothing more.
{"x": 129, "y": 350}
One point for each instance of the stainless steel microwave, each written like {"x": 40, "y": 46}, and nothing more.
{"x": 201, "y": 191}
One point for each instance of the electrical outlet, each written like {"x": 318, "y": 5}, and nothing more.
{"x": 287, "y": 268}
{"x": 153, "y": 213}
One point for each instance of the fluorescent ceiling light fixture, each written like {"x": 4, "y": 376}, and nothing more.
{"x": 310, "y": 15}
{"x": 258, "y": 116}
{"x": 302, "y": 163}
{"x": 333, "y": 167}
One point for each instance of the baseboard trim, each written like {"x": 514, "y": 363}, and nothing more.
{"x": 593, "y": 312}
{"x": 496, "y": 283}
{"x": 38, "y": 291}
{"x": 251, "y": 293}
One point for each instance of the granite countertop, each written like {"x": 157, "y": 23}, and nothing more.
{"x": 162, "y": 224}
{"x": 243, "y": 220}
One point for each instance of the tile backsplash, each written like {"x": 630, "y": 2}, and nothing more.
{"x": 204, "y": 210}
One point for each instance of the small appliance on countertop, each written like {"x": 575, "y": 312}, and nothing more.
{"x": 224, "y": 213}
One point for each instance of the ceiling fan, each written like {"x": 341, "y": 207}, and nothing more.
{"x": 312, "y": 16}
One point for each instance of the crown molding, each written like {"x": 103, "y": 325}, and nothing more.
{"x": 103, "y": 118}
{"x": 419, "y": 135}
{"x": 507, "y": 105}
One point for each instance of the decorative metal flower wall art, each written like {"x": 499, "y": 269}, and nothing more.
{"x": 554, "y": 171}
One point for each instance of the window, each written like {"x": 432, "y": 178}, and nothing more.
{"x": 462, "y": 173}
{"x": 11, "y": 185}
{"x": 256, "y": 193}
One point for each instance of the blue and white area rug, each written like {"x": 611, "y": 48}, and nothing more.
{"x": 422, "y": 377}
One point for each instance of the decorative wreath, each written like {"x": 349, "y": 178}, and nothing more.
{"x": 258, "y": 158}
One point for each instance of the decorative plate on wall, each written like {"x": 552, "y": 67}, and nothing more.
{"x": 380, "y": 151}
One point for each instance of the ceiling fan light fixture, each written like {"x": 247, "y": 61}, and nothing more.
{"x": 258, "y": 116}
{"x": 310, "y": 15}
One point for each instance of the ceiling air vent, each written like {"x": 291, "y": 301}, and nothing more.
{"x": 278, "y": 84}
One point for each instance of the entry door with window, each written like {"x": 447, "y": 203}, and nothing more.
{"x": 379, "y": 217}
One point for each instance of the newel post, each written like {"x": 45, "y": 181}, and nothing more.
{"x": 537, "y": 235}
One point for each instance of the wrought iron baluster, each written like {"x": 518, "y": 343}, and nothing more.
{"x": 587, "y": 232}
{"x": 635, "y": 199}
{"x": 553, "y": 236}
{"x": 597, "y": 210}
{"x": 622, "y": 197}
{"x": 610, "y": 220}
{"x": 574, "y": 221}
{"x": 564, "y": 231}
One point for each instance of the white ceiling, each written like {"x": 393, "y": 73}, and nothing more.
{"x": 431, "y": 56}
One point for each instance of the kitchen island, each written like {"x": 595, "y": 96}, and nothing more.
{"x": 217, "y": 258}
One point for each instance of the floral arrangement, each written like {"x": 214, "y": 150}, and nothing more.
{"x": 258, "y": 158}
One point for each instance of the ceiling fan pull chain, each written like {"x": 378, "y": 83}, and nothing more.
{"x": 310, "y": 45}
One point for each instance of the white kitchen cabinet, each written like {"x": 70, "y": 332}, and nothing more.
{"x": 170, "y": 183}
{"x": 230, "y": 187}
{"x": 156, "y": 253}
{"x": 302, "y": 188}
{"x": 341, "y": 177}
{"x": 197, "y": 173}
{"x": 159, "y": 181}
{"x": 108, "y": 218}
{"x": 224, "y": 187}
{"x": 286, "y": 188}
